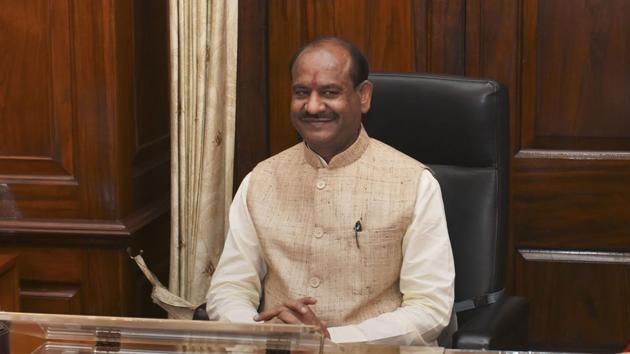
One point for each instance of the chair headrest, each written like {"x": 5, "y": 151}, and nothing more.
{"x": 469, "y": 112}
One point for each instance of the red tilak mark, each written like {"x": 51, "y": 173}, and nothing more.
{"x": 314, "y": 81}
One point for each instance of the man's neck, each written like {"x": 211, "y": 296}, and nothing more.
{"x": 328, "y": 155}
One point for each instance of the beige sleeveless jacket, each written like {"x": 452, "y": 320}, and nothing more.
{"x": 305, "y": 216}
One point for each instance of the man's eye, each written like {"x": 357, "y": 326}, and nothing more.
{"x": 330, "y": 93}
{"x": 300, "y": 93}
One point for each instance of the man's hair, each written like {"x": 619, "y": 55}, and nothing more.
{"x": 359, "y": 69}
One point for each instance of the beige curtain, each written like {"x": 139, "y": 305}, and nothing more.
{"x": 203, "y": 38}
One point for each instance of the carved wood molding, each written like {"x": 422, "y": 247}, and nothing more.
{"x": 62, "y": 293}
{"x": 575, "y": 256}
{"x": 572, "y": 154}
{"x": 108, "y": 228}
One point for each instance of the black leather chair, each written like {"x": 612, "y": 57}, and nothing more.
{"x": 459, "y": 127}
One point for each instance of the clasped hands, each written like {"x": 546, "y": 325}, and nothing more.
{"x": 294, "y": 311}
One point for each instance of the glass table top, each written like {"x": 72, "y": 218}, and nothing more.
{"x": 47, "y": 333}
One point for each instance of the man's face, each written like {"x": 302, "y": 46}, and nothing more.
{"x": 326, "y": 108}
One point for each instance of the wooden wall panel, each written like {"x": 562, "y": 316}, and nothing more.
{"x": 36, "y": 108}
{"x": 585, "y": 298}
{"x": 286, "y": 27}
{"x": 389, "y": 45}
{"x": 493, "y": 49}
{"x": 94, "y": 107}
{"x": 573, "y": 203}
{"x": 570, "y": 173}
{"x": 252, "y": 126}
{"x": 150, "y": 78}
{"x": 90, "y": 110}
{"x": 90, "y": 275}
{"x": 577, "y": 57}
{"x": 151, "y": 63}
{"x": 56, "y": 61}
{"x": 106, "y": 276}
{"x": 39, "y": 66}
{"x": 52, "y": 264}
{"x": 84, "y": 153}
{"x": 9, "y": 283}
{"x": 57, "y": 299}
{"x": 71, "y": 280}
{"x": 446, "y": 35}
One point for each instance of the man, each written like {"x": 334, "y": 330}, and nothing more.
{"x": 340, "y": 231}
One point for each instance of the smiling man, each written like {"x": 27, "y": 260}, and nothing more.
{"x": 340, "y": 231}
{"x": 328, "y": 99}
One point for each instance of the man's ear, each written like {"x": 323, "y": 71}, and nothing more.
{"x": 365, "y": 95}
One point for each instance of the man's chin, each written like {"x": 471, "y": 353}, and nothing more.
{"x": 315, "y": 139}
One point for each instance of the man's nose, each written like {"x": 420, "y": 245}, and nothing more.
{"x": 314, "y": 104}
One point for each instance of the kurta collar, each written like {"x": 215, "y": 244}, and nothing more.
{"x": 342, "y": 159}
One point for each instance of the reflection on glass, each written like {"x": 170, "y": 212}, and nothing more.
{"x": 79, "y": 334}
{"x": 44, "y": 333}
{"x": 8, "y": 208}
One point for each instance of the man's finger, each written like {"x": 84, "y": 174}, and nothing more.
{"x": 288, "y": 316}
{"x": 308, "y": 300}
{"x": 323, "y": 325}
{"x": 298, "y": 306}
{"x": 269, "y": 313}
{"x": 325, "y": 332}
{"x": 304, "y": 312}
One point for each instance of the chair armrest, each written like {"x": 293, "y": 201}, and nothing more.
{"x": 200, "y": 313}
{"x": 502, "y": 325}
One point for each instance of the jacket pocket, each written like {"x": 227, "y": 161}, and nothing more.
{"x": 381, "y": 257}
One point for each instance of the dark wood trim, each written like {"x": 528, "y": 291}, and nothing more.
{"x": 7, "y": 262}
{"x": 446, "y": 37}
{"x": 252, "y": 107}
{"x": 39, "y": 179}
{"x": 109, "y": 228}
{"x": 572, "y": 154}
{"x": 533, "y": 255}
{"x": 9, "y": 283}
{"x": 49, "y": 293}
{"x": 421, "y": 21}
{"x": 151, "y": 155}
{"x": 528, "y": 70}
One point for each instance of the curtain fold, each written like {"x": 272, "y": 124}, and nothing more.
{"x": 203, "y": 41}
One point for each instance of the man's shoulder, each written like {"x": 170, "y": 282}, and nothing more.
{"x": 290, "y": 156}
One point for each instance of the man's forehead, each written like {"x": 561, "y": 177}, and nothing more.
{"x": 316, "y": 82}
{"x": 320, "y": 60}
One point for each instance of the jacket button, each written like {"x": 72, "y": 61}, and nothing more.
{"x": 321, "y": 184}
{"x": 318, "y": 232}
{"x": 314, "y": 282}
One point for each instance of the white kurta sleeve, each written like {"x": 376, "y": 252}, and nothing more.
{"x": 235, "y": 288}
{"x": 427, "y": 278}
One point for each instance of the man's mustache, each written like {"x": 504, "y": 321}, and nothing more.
{"x": 327, "y": 114}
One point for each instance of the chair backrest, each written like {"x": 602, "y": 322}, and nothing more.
{"x": 459, "y": 127}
